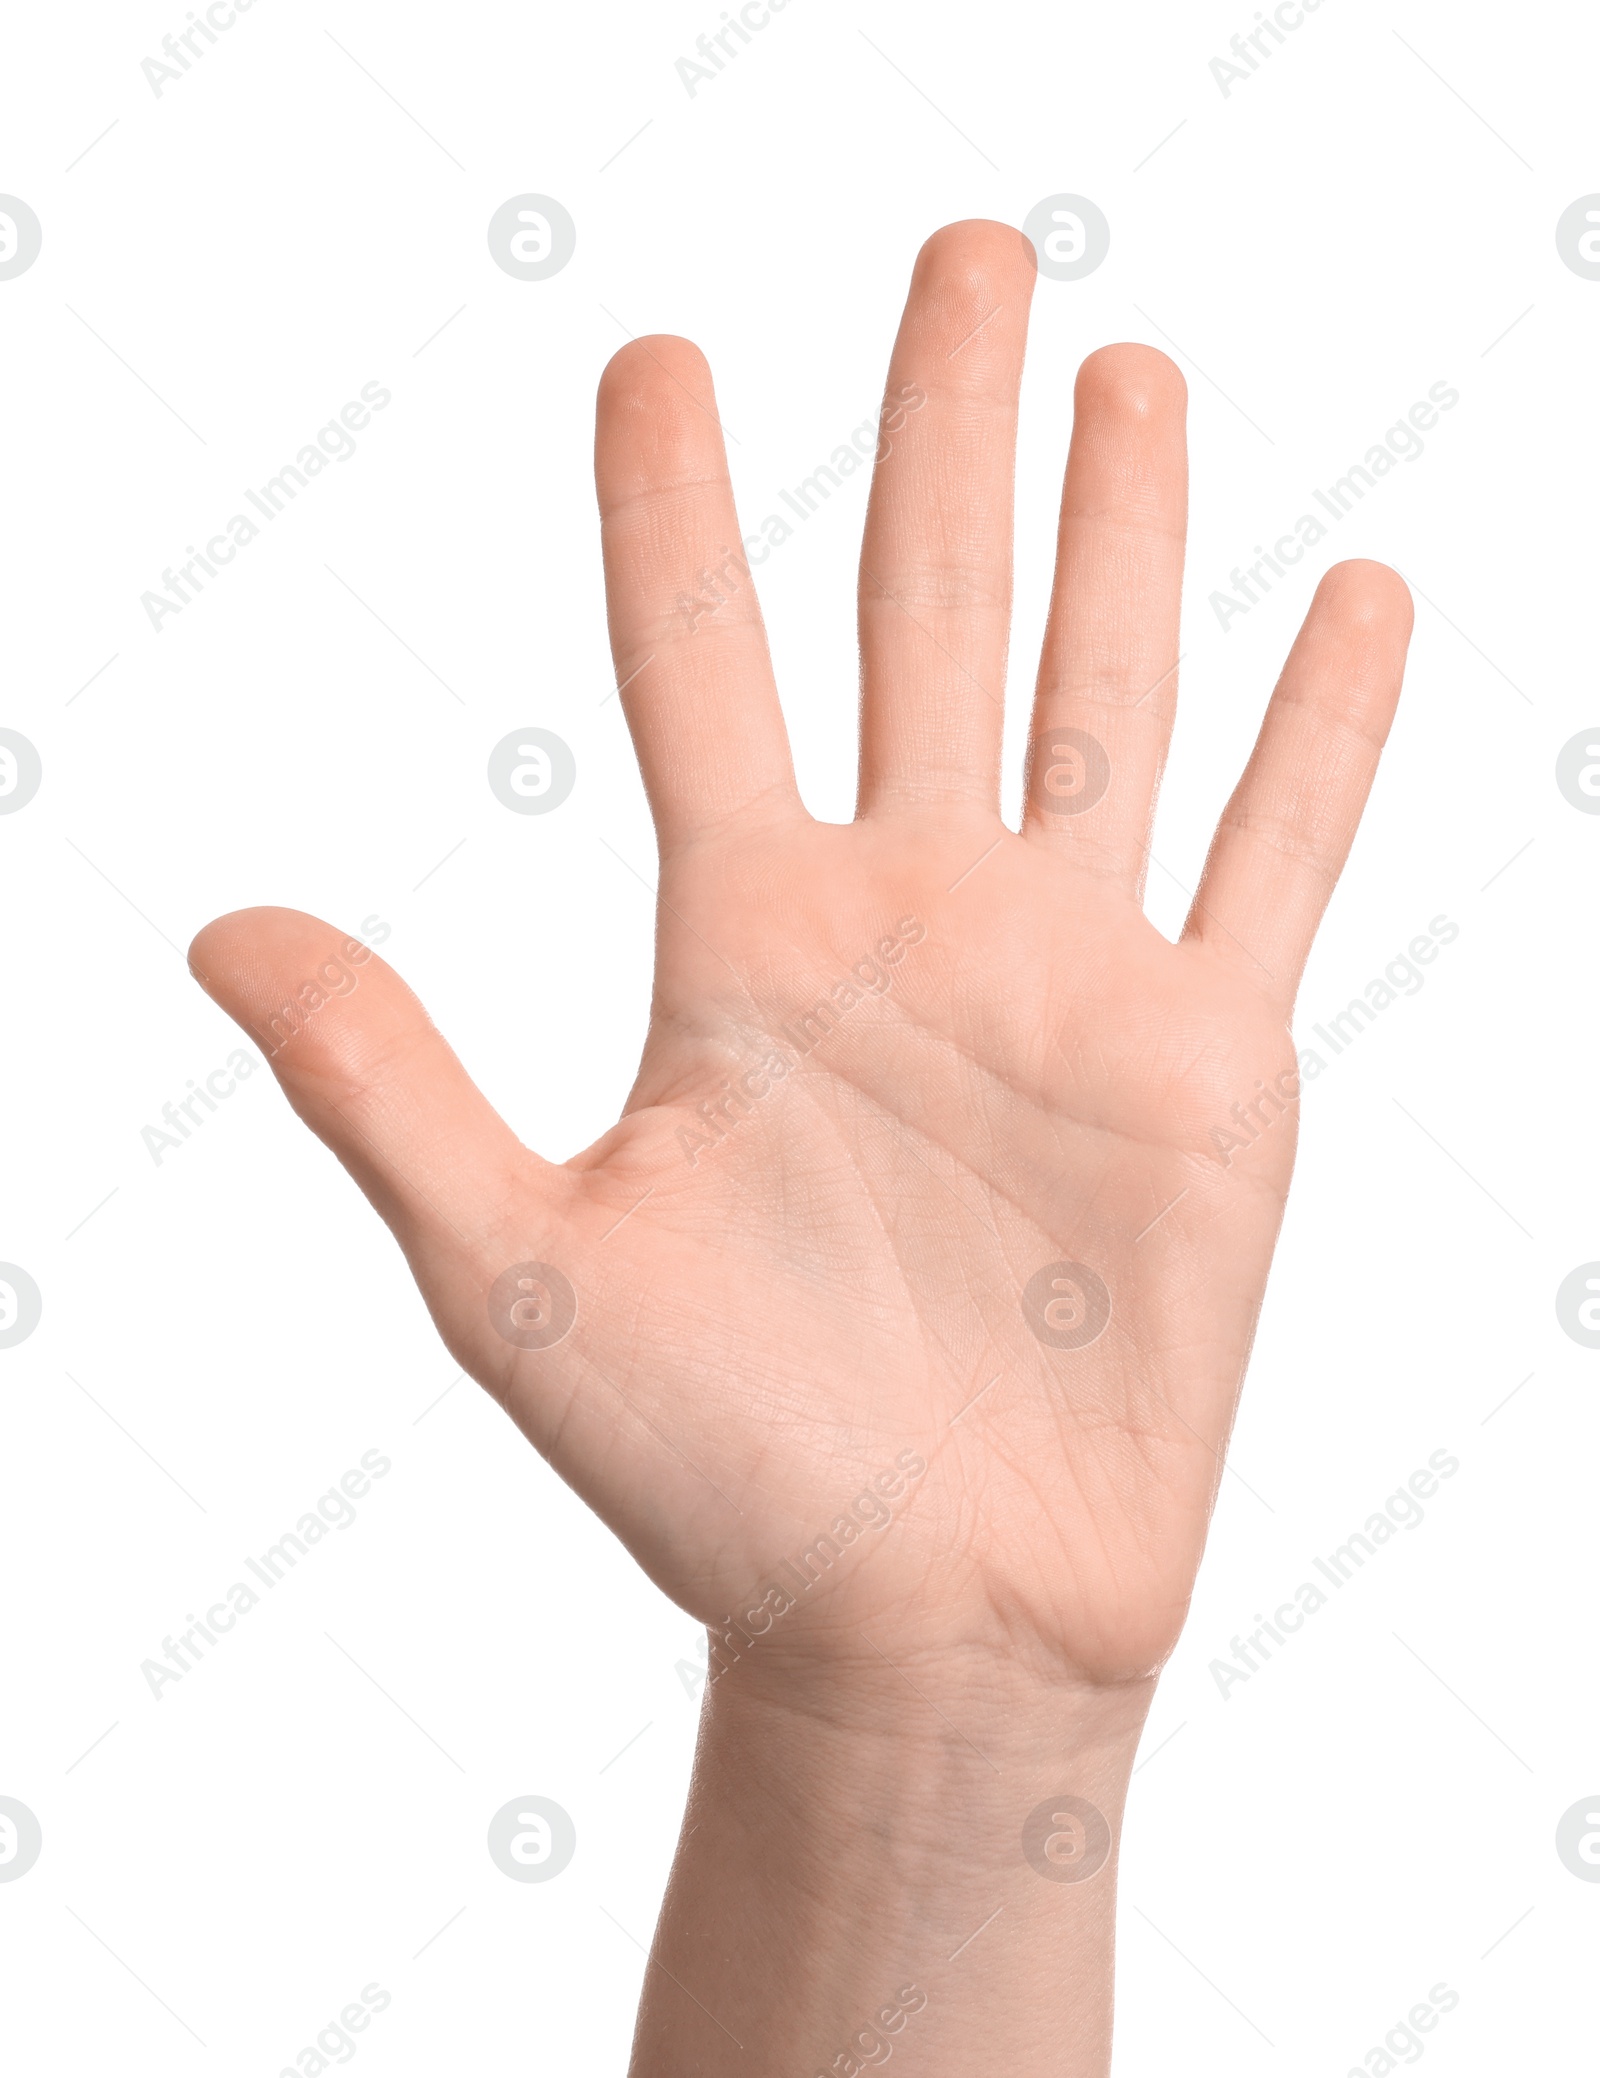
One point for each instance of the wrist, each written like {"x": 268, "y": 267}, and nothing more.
{"x": 953, "y": 1752}
{"x": 935, "y": 1835}
{"x": 922, "y": 1698}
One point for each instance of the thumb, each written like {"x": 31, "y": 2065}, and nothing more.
{"x": 366, "y": 1068}
{"x": 359, "y": 1059}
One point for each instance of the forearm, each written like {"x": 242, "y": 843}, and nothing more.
{"x": 853, "y": 1881}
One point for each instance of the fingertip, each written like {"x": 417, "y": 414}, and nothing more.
{"x": 656, "y": 421}
{"x": 965, "y": 275}
{"x": 1369, "y": 597}
{"x": 268, "y": 967}
{"x": 1350, "y": 654}
{"x": 654, "y": 362}
{"x": 979, "y": 247}
{"x": 245, "y": 942}
{"x": 226, "y": 930}
{"x": 363, "y": 1065}
{"x": 1133, "y": 383}
{"x": 215, "y": 948}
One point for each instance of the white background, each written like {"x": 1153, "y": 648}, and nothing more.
{"x": 229, "y": 1866}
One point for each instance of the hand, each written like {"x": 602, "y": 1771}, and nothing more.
{"x": 813, "y": 1253}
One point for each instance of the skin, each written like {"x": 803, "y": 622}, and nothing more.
{"x": 823, "y": 1282}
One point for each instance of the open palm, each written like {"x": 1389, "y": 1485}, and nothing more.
{"x": 912, "y": 1293}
